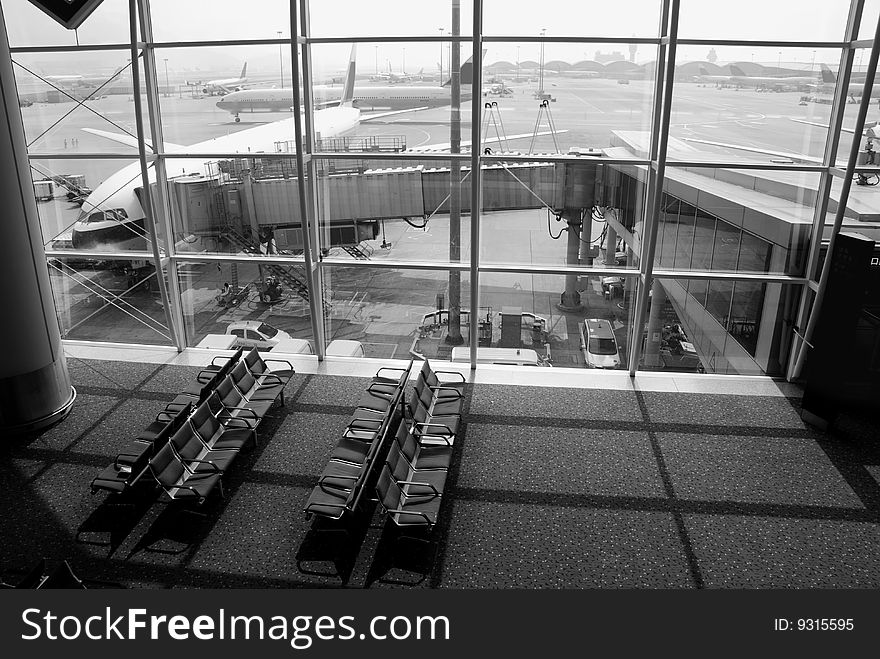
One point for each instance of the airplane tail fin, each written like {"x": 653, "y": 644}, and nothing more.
{"x": 467, "y": 71}
{"x": 827, "y": 75}
{"x": 703, "y": 71}
{"x": 243, "y": 71}
{"x": 348, "y": 84}
{"x": 735, "y": 70}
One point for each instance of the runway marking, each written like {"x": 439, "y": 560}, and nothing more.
{"x": 597, "y": 109}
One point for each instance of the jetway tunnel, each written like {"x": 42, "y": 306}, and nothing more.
{"x": 254, "y": 196}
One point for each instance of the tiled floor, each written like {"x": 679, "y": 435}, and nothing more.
{"x": 568, "y": 486}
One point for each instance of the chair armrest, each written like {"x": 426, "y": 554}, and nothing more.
{"x": 246, "y": 422}
{"x": 127, "y": 455}
{"x": 394, "y": 511}
{"x": 219, "y": 357}
{"x": 273, "y": 376}
{"x": 338, "y": 488}
{"x": 433, "y": 489}
{"x": 435, "y": 425}
{"x": 390, "y": 368}
{"x": 184, "y": 461}
{"x": 456, "y": 373}
{"x": 256, "y": 416}
{"x": 442, "y": 388}
{"x": 167, "y": 413}
{"x": 280, "y": 361}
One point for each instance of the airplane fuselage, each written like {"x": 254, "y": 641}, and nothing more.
{"x": 112, "y": 216}
{"x": 391, "y": 97}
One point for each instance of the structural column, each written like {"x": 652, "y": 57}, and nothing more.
{"x": 610, "y": 245}
{"x": 655, "y": 328}
{"x": 35, "y": 388}
{"x": 571, "y": 297}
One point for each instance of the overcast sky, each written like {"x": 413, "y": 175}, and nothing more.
{"x": 180, "y": 20}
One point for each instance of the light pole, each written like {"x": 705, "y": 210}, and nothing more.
{"x": 404, "y": 62}
{"x": 166, "y": 76}
{"x": 441, "y": 55}
{"x": 541, "y": 71}
{"x": 281, "y": 60}
{"x": 377, "y": 59}
{"x": 813, "y": 62}
{"x": 779, "y": 63}
{"x": 517, "y": 63}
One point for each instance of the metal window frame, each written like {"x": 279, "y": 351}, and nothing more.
{"x": 301, "y": 42}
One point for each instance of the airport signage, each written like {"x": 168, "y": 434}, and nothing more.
{"x": 70, "y": 13}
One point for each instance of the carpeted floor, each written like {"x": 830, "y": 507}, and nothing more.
{"x": 549, "y": 488}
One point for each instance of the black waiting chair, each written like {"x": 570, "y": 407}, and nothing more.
{"x": 178, "y": 483}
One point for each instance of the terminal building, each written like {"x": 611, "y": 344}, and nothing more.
{"x": 648, "y": 283}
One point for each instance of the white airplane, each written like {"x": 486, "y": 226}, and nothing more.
{"x": 223, "y": 86}
{"x": 854, "y": 91}
{"x": 78, "y": 80}
{"x": 366, "y": 97}
{"x": 771, "y": 82}
{"x": 112, "y": 217}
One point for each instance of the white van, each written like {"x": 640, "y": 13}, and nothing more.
{"x": 599, "y": 344}
{"x": 345, "y": 348}
{"x": 509, "y": 356}
{"x": 292, "y": 346}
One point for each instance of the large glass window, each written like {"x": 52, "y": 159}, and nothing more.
{"x": 563, "y": 131}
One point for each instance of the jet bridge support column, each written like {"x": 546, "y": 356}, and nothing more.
{"x": 35, "y": 389}
{"x": 571, "y": 297}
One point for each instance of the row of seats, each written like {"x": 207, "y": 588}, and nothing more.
{"x": 350, "y": 472}
{"x": 412, "y": 482}
{"x": 194, "y": 440}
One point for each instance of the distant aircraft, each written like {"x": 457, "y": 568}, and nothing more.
{"x": 740, "y": 79}
{"x": 366, "y": 97}
{"x": 223, "y": 86}
{"x": 112, "y": 216}
{"x": 854, "y": 90}
{"x": 77, "y": 80}
{"x": 395, "y": 78}
{"x": 771, "y": 82}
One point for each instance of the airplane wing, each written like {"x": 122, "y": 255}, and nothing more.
{"x": 379, "y": 115}
{"x": 795, "y": 157}
{"x": 439, "y": 148}
{"x": 128, "y": 140}
{"x": 816, "y": 123}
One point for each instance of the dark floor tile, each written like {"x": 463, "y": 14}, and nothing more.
{"x": 118, "y": 429}
{"x": 334, "y": 390}
{"x": 762, "y": 552}
{"x": 493, "y": 545}
{"x": 553, "y": 403}
{"x": 773, "y": 470}
{"x": 722, "y": 410}
{"x": 302, "y": 444}
{"x": 559, "y": 460}
{"x": 124, "y": 376}
{"x": 85, "y": 414}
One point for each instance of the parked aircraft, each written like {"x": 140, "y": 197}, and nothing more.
{"x": 112, "y": 216}
{"x": 775, "y": 83}
{"x": 854, "y": 91}
{"x": 740, "y": 79}
{"x": 222, "y": 86}
{"x": 366, "y": 97}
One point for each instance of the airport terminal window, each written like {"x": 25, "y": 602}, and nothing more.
{"x": 684, "y": 242}
{"x": 730, "y": 103}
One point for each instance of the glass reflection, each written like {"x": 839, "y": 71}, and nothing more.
{"x": 726, "y": 327}
{"x": 396, "y": 312}
{"x": 109, "y": 300}
{"x": 531, "y": 312}
{"x": 233, "y": 304}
